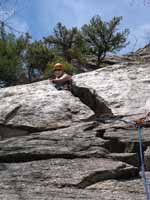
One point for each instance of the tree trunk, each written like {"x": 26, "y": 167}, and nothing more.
{"x": 98, "y": 61}
{"x": 100, "y": 57}
{"x": 67, "y": 56}
{"x": 29, "y": 74}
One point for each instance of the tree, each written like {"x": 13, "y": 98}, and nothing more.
{"x": 11, "y": 56}
{"x": 69, "y": 42}
{"x": 102, "y": 37}
{"x": 37, "y": 57}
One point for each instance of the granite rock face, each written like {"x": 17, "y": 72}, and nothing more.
{"x": 53, "y": 146}
{"x": 118, "y": 89}
{"x": 38, "y": 106}
{"x": 143, "y": 54}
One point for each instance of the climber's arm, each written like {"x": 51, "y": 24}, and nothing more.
{"x": 62, "y": 79}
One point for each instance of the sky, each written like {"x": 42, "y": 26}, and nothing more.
{"x": 39, "y": 17}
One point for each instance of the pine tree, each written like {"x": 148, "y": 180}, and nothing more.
{"x": 102, "y": 37}
{"x": 11, "y": 56}
{"x": 69, "y": 42}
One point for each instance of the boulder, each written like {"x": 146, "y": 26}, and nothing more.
{"x": 36, "y": 107}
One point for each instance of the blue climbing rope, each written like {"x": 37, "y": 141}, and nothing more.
{"x": 140, "y": 149}
{"x": 142, "y": 162}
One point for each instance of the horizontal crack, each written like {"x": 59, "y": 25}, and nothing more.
{"x": 105, "y": 175}
{"x": 23, "y": 157}
{"x": 27, "y": 157}
{"x": 8, "y": 131}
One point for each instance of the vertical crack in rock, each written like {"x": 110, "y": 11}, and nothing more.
{"x": 100, "y": 133}
{"x": 90, "y": 98}
{"x": 123, "y": 150}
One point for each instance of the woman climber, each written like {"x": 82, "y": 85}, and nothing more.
{"x": 61, "y": 80}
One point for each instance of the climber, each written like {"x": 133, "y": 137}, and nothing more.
{"x": 61, "y": 80}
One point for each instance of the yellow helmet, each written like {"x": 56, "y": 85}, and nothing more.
{"x": 58, "y": 66}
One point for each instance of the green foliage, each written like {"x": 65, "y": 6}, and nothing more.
{"x": 19, "y": 54}
{"x": 11, "y": 56}
{"x": 69, "y": 42}
{"x": 37, "y": 57}
{"x": 102, "y": 37}
{"x": 68, "y": 68}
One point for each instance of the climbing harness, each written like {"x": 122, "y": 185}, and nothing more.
{"x": 139, "y": 124}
